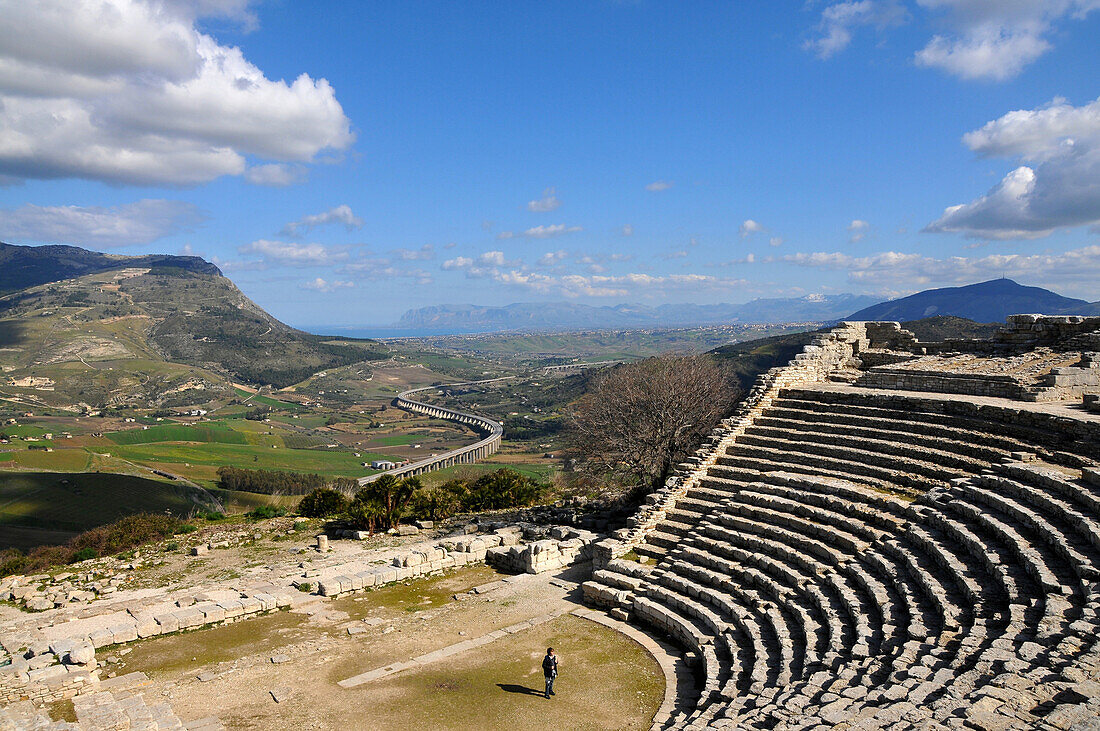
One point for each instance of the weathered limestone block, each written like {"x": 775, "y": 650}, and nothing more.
{"x": 168, "y": 622}
{"x": 82, "y": 653}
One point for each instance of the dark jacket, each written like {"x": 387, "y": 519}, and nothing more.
{"x": 550, "y": 666}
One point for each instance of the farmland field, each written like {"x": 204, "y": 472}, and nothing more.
{"x": 178, "y": 433}
{"x": 214, "y": 455}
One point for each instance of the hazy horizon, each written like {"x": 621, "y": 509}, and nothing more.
{"x": 352, "y": 161}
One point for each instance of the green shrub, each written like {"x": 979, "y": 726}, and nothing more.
{"x": 212, "y": 515}
{"x": 267, "y": 511}
{"x": 122, "y": 535}
{"x": 503, "y": 488}
{"x": 171, "y": 546}
{"x": 305, "y": 587}
{"x": 322, "y": 503}
{"x": 186, "y": 528}
{"x": 83, "y": 555}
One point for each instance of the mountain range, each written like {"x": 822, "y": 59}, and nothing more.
{"x": 990, "y": 301}
{"x": 574, "y": 316}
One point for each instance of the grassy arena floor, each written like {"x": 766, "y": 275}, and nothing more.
{"x": 607, "y": 681}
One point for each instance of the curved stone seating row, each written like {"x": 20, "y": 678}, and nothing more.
{"x": 988, "y": 447}
{"x": 1068, "y": 440}
{"x": 898, "y": 569}
{"x": 944, "y": 428}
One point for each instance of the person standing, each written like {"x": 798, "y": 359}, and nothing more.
{"x": 550, "y": 670}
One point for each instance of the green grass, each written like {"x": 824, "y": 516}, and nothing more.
{"x": 306, "y": 421}
{"x": 178, "y": 433}
{"x": 59, "y": 460}
{"x": 607, "y": 681}
{"x": 538, "y": 472}
{"x": 302, "y": 441}
{"x": 267, "y": 401}
{"x": 61, "y": 503}
{"x": 249, "y": 456}
{"x": 236, "y": 501}
{"x": 396, "y": 440}
{"x": 24, "y": 430}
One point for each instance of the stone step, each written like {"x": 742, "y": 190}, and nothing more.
{"x": 775, "y": 457}
{"x": 895, "y": 466}
{"x": 927, "y": 408}
{"x": 954, "y": 428}
{"x": 890, "y": 443}
{"x": 934, "y": 436}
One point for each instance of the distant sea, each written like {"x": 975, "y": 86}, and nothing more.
{"x": 377, "y": 333}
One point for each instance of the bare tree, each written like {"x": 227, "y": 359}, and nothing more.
{"x": 639, "y": 420}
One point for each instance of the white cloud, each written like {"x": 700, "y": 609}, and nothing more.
{"x": 339, "y": 214}
{"x": 425, "y": 252}
{"x": 750, "y": 227}
{"x": 551, "y": 258}
{"x": 775, "y": 241}
{"x": 995, "y": 40}
{"x": 134, "y": 223}
{"x": 494, "y": 259}
{"x": 1078, "y": 269}
{"x": 276, "y": 174}
{"x": 840, "y": 19}
{"x": 628, "y": 230}
{"x": 380, "y": 268}
{"x": 1060, "y": 187}
{"x": 681, "y": 254}
{"x": 658, "y": 185}
{"x": 548, "y": 202}
{"x": 492, "y": 266}
{"x": 459, "y": 262}
{"x": 129, "y": 91}
{"x": 857, "y": 231}
{"x": 549, "y": 232}
{"x": 503, "y": 235}
{"x": 320, "y": 285}
{"x": 978, "y": 39}
{"x": 282, "y": 252}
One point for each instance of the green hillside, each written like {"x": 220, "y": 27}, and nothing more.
{"x": 151, "y": 327}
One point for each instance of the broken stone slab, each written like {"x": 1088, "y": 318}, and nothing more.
{"x": 280, "y": 659}
{"x": 280, "y": 694}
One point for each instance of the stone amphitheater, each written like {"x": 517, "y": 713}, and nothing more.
{"x": 888, "y": 534}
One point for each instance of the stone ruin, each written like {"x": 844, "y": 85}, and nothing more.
{"x": 887, "y": 534}
{"x": 53, "y": 650}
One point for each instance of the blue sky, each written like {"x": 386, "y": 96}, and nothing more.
{"x": 343, "y": 162}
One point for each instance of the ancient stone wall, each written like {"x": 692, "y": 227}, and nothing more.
{"x": 566, "y": 547}
{"x": 1036, "y": 330}
{"x": 827, "y": 353}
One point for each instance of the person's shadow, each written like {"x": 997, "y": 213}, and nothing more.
{"x": 521, "y": 689}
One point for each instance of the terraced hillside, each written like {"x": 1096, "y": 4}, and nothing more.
{"x": 843, "y": 555}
